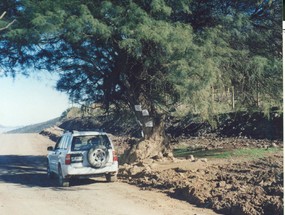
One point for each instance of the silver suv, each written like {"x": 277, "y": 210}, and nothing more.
{"x": 82, "y": 154}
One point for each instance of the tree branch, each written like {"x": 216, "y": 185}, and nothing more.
{"x": 3, "y": 14}
{"x": 7, "y": 26}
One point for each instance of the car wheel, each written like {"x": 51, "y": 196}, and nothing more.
{"x": 111, "y": 178}
{"x": 62, "y": 182}
{"x": 98, "y": 157}
{"x": 50, "y": 174}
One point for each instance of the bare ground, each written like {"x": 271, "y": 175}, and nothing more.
{"x": 236, "y": 186}
{"x": 25, "y": 189}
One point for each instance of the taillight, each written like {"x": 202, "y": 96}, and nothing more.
{"x": 73, "y": 158}
{"x": 115, "y": 157}
{"x": 67, "y": 159}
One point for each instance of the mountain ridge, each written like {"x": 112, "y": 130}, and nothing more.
{"x": 35, "y": 128}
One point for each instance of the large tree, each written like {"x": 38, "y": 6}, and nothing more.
{"x": 112, "y": 52}
{"x": 155, "y": 54}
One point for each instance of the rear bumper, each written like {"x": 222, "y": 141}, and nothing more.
{"x": 73, "y": 171}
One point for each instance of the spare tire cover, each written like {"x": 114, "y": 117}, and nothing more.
{"x": 98, "y": 156}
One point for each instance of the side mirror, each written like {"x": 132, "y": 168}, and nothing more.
{"x": 50, "y": 148}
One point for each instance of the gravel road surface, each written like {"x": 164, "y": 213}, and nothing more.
{"x": 25, "y": 189}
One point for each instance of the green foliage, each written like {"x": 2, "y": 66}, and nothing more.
{"x": 207, "y": 56}
{"x": 160, "y": 7}
{"x": 239, "y": 43}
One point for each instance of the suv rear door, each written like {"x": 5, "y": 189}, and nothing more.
{"x": 58, "y": 155}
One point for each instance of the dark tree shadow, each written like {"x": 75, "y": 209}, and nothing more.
{"x": 27, "y": 170}
{"x": 30, "y": 171}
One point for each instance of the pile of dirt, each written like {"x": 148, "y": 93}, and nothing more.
{"x": 249, "y": 187}
{"x": 209, "y": 143}
{"x": 238, "y": 188}
{"x": 52, "y": 133}
{"x": 255, "y": 125}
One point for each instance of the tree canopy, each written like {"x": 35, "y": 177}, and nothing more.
{"x": 204, "y": 55}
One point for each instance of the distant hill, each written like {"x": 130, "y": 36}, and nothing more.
{"x": 36, "y": 128}
{"x": 4, "y": 129}
{"x": 70, "y": 113}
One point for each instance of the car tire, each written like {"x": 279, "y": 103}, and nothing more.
{"x": 98, "y": 156}
{"x": 111, "y": 178}
{"x": 50, "y": 174}
{"x": 62, "y": 182}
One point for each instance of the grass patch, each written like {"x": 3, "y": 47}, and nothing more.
{"x": 250, "y": 153}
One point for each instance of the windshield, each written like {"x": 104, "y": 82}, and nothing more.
{"x": 84, "y": 143}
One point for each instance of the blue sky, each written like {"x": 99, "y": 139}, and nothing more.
{"x": 25, "y": 101}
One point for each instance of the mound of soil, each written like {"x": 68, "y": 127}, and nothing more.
{"x": 212, "y": 143}
{"x": 238, "y": 189}
{"x": 251, "y": 187}
{"x": 237, "y": 124}
{"x": 52, "y": 133}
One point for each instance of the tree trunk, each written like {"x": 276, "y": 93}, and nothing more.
{"x": 154, "y": 142}
{"x": 153, "y": 145}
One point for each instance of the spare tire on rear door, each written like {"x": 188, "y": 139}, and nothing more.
{"x": 98, "y": 156}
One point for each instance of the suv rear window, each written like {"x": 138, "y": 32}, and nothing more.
{"x": 84, "y": 143}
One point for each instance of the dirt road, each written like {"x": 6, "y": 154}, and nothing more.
{"x": 25, "y": 189}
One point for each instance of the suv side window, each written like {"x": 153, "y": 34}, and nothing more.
{"x": 57, "y": 143}
{"x": 65, "y": 142}
{"x": 62, "y": 142}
